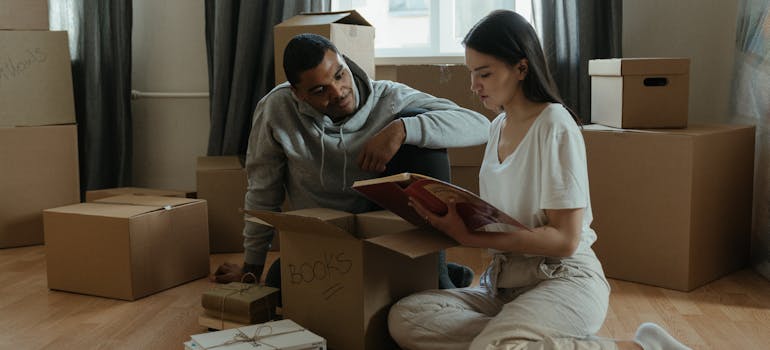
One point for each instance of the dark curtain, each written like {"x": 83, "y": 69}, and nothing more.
{"x": 100, "y": 46}
{"x": 750, "y": 104}
{"x": 572, "y": 33}
{"x": 239, "y": 45}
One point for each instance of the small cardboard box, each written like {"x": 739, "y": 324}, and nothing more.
{"x": 93, "y": 195}
{"x": 640, "y": 92}
{"x": 35, "y": 79}
{"x": 347, "y": 30}
{"x": 23, "y": 15}
{"x": 222, "y": 182}
{"x": 39, "y": 170}
{"x": 241, "y": 302}
{"x": 672, "y": 208}
{"x": 341, "y": 286}
{"x": 126, "y": 247}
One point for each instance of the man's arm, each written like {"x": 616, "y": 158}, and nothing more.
{"x": 444, "y": 125}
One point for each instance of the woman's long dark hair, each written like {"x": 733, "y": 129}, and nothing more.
{"x": 506, "y": 35}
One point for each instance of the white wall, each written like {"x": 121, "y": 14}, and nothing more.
{"x": 703, "y": 30}
{"x": 169, "y": 55}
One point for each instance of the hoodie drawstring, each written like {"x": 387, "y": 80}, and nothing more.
{"x": 323, "y": 153}
{"x": 344, "y": 161}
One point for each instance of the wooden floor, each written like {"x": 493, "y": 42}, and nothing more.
{"x": 730, "y": 313}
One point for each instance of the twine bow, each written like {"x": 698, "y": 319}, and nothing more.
{"x": 241, "y": 337}
{"x": 240, "y": 290}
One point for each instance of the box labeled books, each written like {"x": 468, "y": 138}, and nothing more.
{"x": 240, "y": 302}
{"x": 279, "y": 335}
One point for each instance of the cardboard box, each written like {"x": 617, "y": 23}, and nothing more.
{"x": 672, "y": 208}
{"x": 126, "y": 247}
{"x": 284, "y": 334}
{"x": 24, "y": 14}
{"x": 341, "y": 286}
{"x": 452, "y": 82}
{"x": 466, "y": 177}
{"x": 39, "y": 170}
{"x": 35, "y": 79}
{"x": 467, "y": 156}
{"x": 222, "y": 182}
{"x": 349, "y": 31}
{"x": 241, "y": 302}
{"x": 93, "y": 195}
{"x": 640, "y": 92}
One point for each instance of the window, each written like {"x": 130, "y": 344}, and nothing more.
{"x": 414, "y": 28}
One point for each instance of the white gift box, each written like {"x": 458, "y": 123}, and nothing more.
{"x": 278, "y": 335}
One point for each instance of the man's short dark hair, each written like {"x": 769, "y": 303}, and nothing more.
{"x": 304, "y": 52}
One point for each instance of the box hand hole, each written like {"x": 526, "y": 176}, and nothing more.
{"x": 655, "y": 81}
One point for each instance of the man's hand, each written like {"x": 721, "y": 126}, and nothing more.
{"x": 229, "y": 272}
{"x": 381, "y": 148}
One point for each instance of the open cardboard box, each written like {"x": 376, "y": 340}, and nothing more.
{"x": 350, "y": 32}
{"x": 341, "y": 286}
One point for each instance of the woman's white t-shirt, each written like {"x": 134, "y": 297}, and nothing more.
{"x": 547, "y": 170}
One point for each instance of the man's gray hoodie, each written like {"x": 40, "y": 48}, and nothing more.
{"x": 296, "y": 150}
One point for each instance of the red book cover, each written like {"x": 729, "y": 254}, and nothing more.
{"x": 393, "y": 192}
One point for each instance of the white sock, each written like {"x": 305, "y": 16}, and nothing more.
{"x": 650, "y": 336}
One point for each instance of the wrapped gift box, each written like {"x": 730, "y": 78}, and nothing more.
{"x": 241, "y": 302}
{"x": 283, "y": 334}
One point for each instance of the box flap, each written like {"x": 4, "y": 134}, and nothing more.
{"x": 639, "y": 66}
{"x": 219, "y": 163}
{"x": 301, "y": 221}
{"x": 314, "y": 18}
{"x": 155, "y": 201}
{"x": 415, "y": 243}
{"x": 104, "y": 209}
{"x": 92, "y": 195}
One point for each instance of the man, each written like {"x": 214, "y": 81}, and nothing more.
{"x": 329, "y": 126}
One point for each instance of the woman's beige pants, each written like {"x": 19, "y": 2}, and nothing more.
{"x": 522, "y": 303}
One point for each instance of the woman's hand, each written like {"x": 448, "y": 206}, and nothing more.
{"x": 451, "y": 223}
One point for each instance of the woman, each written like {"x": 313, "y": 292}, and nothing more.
{"x": 545, "y": 288}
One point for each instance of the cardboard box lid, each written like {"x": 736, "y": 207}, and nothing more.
{"x": 146, "y": 200}
{"x": 104, "y": 209}
{"x": 316, "y": 18}
{"x": 412, "y": 243}
{"x": 639, "y": 66}
{"x": 219, "y": 163}
{"x": 92, "y": 195}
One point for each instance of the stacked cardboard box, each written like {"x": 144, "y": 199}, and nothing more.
{"x": 671, "y": 205}
{"x": 38, "y": 138}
